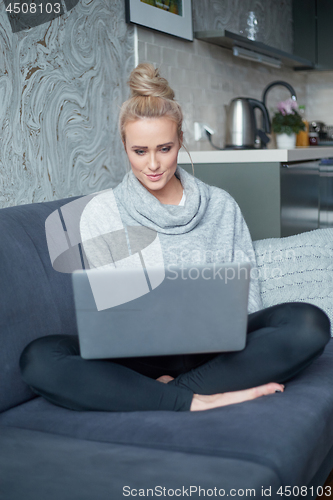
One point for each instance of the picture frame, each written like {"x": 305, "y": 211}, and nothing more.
{"x": 156, "y": 14}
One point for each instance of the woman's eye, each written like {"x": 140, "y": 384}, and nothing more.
{"x": 139, "y": 151}
{"x": 166, "y": 149}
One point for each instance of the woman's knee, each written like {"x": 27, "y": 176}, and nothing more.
{"x": 311, "y": 324}
{"x": 41, "y": 355}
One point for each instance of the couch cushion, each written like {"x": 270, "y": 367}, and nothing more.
{"x": 297, "y": 268}
{"x": 70, "y": 469}
{"x": 290, "y": 433}
{"x": 35, "y": 300}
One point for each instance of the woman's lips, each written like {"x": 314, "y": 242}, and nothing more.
{"x": 154, "y": 177}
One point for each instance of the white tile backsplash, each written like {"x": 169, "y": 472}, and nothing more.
{"x": 154, "y": 53}
{"x": 320, "y": 96}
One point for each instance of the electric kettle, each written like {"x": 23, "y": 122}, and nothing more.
{"x": 241, "y": 126}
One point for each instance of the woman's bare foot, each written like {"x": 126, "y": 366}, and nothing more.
{"x": 165, "y": 379}
{"x": 204, "y": 402}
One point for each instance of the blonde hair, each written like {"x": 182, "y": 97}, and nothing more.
{"x": 151, "y": 97}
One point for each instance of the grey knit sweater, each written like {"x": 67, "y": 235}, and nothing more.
{"x": 209, "y": 228}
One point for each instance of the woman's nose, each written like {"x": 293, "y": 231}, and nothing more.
{"x": 153, "y": 163}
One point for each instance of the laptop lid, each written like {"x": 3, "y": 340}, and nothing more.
{"x": 195, "y": 309}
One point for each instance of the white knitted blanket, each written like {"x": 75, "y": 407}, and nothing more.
{"x": 297, "y": 268}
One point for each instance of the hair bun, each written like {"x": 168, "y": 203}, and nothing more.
{"x": 146, "y": 81}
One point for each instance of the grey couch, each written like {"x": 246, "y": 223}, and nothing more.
{"x": 47, "y": 452}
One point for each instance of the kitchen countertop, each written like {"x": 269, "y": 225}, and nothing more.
{"x": 256, "y": 155}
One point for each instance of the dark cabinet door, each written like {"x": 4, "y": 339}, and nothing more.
{"x": 305, "y": 31}
{"x": 325, "y": 33}
{"x": 313, "y": 31}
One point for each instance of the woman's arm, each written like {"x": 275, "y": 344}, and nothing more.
{"x": 202, "y": 402}
{"x": 244, "y": 251}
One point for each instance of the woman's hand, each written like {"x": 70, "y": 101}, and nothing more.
{"x": 202, "y": 402}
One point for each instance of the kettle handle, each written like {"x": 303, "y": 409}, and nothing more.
{"x": 258, "y": 104}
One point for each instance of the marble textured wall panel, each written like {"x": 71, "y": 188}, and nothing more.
{"x": 61, "y": 86}
{"x": 274, "y": 19}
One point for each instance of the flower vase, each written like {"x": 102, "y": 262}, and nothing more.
{"x": 285, "y": 141}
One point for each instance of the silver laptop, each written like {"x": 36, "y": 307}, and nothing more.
{"x": 131, "y": 312}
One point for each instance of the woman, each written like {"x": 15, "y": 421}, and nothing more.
{"x": 195, "y": 223}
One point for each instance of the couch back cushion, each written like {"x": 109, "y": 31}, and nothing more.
{"x": 35, "y": 300}
{"x": 297, "y": 268}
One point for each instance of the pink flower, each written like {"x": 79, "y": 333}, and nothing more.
{"x": 287, "y": 107}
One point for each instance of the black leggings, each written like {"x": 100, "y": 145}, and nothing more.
{"x": 282, "y": 340}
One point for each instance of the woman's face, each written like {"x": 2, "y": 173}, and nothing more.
{"x": 152, "y": 146}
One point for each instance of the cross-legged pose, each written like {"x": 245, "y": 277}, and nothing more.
{"x": 195, "y": 223}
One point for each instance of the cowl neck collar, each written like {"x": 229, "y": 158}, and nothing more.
{"x": 169, "y": 219}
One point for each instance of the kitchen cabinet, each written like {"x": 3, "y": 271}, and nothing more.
{"x": 281, "y": 194}
{"x": 255, "y": 187}
{"x": 300, "y": 187}
{"x": 313, "y": 36}
{"x": 306, "y": 196}
{"x": 324, "y": 33}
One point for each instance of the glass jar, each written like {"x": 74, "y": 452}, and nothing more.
{"x": 313, "y": 138}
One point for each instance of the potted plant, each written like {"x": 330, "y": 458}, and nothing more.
{"x": 286, "y": 123}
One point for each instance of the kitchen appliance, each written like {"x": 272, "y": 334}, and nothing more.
{"x": 327, "y": 138}
{"x": 241, "y": 126}
{"x": 320, "y": 128}
{"x": 319, "y": 134}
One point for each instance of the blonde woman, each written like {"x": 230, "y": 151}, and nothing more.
{"x": 193, "y": 221}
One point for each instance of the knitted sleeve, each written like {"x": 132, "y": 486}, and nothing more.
{"x": 244, "y": 251}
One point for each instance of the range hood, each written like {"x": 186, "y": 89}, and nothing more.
{"x": 230, "y": 40}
